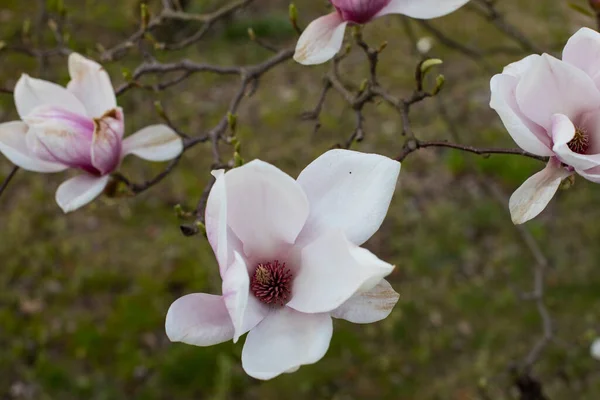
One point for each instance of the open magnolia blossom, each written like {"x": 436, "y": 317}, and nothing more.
{"x": 78, "y": 127}
{"x": 551, "y": 107}
{"x": 323, "y": 37}
{"x": 289, "y": 256}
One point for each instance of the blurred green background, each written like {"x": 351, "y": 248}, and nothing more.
{"x": 83, "y": 296}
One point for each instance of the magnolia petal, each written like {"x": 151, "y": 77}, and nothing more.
{"x": 368, "y": 306}
{"x": 66, "y": 140}
{"x": 14, "y": 147}
{"x": 286, "y": 340}
{"x": 583, "y": 51}
{"x": 332, "y": 258}
{"x": 518, "y": 68}
{"x": 106, "y": 142}
{"x": 422, "y": 9}
{"x": 91, "y": 84}
{"x": 31, "y": 93}
{"x": 199, "y": 319}
{"x": 266, "y": 209}
{"x": 154, "y": 143}
{"x": 220, "y": 236}
{"x": 321, "y": 40}
{"x": 536, "y": 192}
{"x": 80, "y": 190}
{"x": 552, "y": 86}
{"x": 592, "y": 174}
{"x": 350, "y": 191}
{"x": 563, "y": 132}
{"x": 526, "y": 134}
{"x": 244, "y": 310}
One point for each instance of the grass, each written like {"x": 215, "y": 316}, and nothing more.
{"x": 84, "y": 295}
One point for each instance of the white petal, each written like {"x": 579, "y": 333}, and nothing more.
{"x": 532, "y": 197}
{"x": 368, "y": 306}
{"x": 14, "y": 147}
{"x": 154, "y": 143}
{"x": 332, "y": 270}
{"x": 422, "y": 9}
{"x": 518, "y": 68}
{"x": 321, "y": 40}
{"x": 91, "y": 85}
{"x": 31, "y": 93}
{"x": 350, "y": 191}
{"x": 80, "y": 190}
{"x": 220, "y": 236}
{"x": 526, "y": 134}
{"x": 199, "y": 319}
{"x": 552, "y": 86}
{"x": 563, "y": 132}
{"x": 583, "y": 51}
{"x": 245, "y": 310}
{"x": 285, "y": 340}
{"x": 266, "y": 209}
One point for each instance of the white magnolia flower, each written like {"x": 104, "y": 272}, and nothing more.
{"x": 551, "y": 107}
{"x": 324, "y": 36}
{"x": 289, "y": 256}
{"x": 78, "y": 127}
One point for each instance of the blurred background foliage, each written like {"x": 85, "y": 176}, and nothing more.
{"x": 83, "y": 296}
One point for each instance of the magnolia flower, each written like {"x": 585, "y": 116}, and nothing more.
{"x": 551, "y": 107}
{"x": 79, "y": 127}
{"x": 289, "y": 256}
{"x": 323, "y": 37}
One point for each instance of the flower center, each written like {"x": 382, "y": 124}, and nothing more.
{"x": 580, "y": 142}
{"x": 271, "y": 283}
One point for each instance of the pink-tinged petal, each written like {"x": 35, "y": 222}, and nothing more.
{"x": 91, "y": 84}
{"x": 552, "y": 86}
{"x": 350, "y": 191}
{"x": 220, "y": 236}
{"x": 154, "y": 143}
{"x": 284, "y": 341}
{"x": 422, "y": 9}
{"x": 59, "y": 136}
{"x": 563, "y": 132}
{"x": 519, "y": 68}
{"x": 332, "y": 269}
{"x": 359, "y": 11}
{"x": 245, "y": 310}
{"x": 583, "y": 51}
{"x": 321, "y": 40}
{"x": 199, "y": 319}
{"x": 31, "y": 93}
{"x": 368, "y": 306}
{"x": 534, "y": 195}
{"x": 266, "y": 209}
{"x": 106, "y": 142}
{"x": 14, "y": 147}
{"x": 80, "y": 190}
{"x": 592, "y": 174}
{"x": 591, "y": 123}
{"x": 526, "y": 134}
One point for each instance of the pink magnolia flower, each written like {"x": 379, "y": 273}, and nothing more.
{"x": 323, "y": 37}
{"x": 551, "y": 107}
{"x": 78, "y": 127}
{"x": 289, "y": 256}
